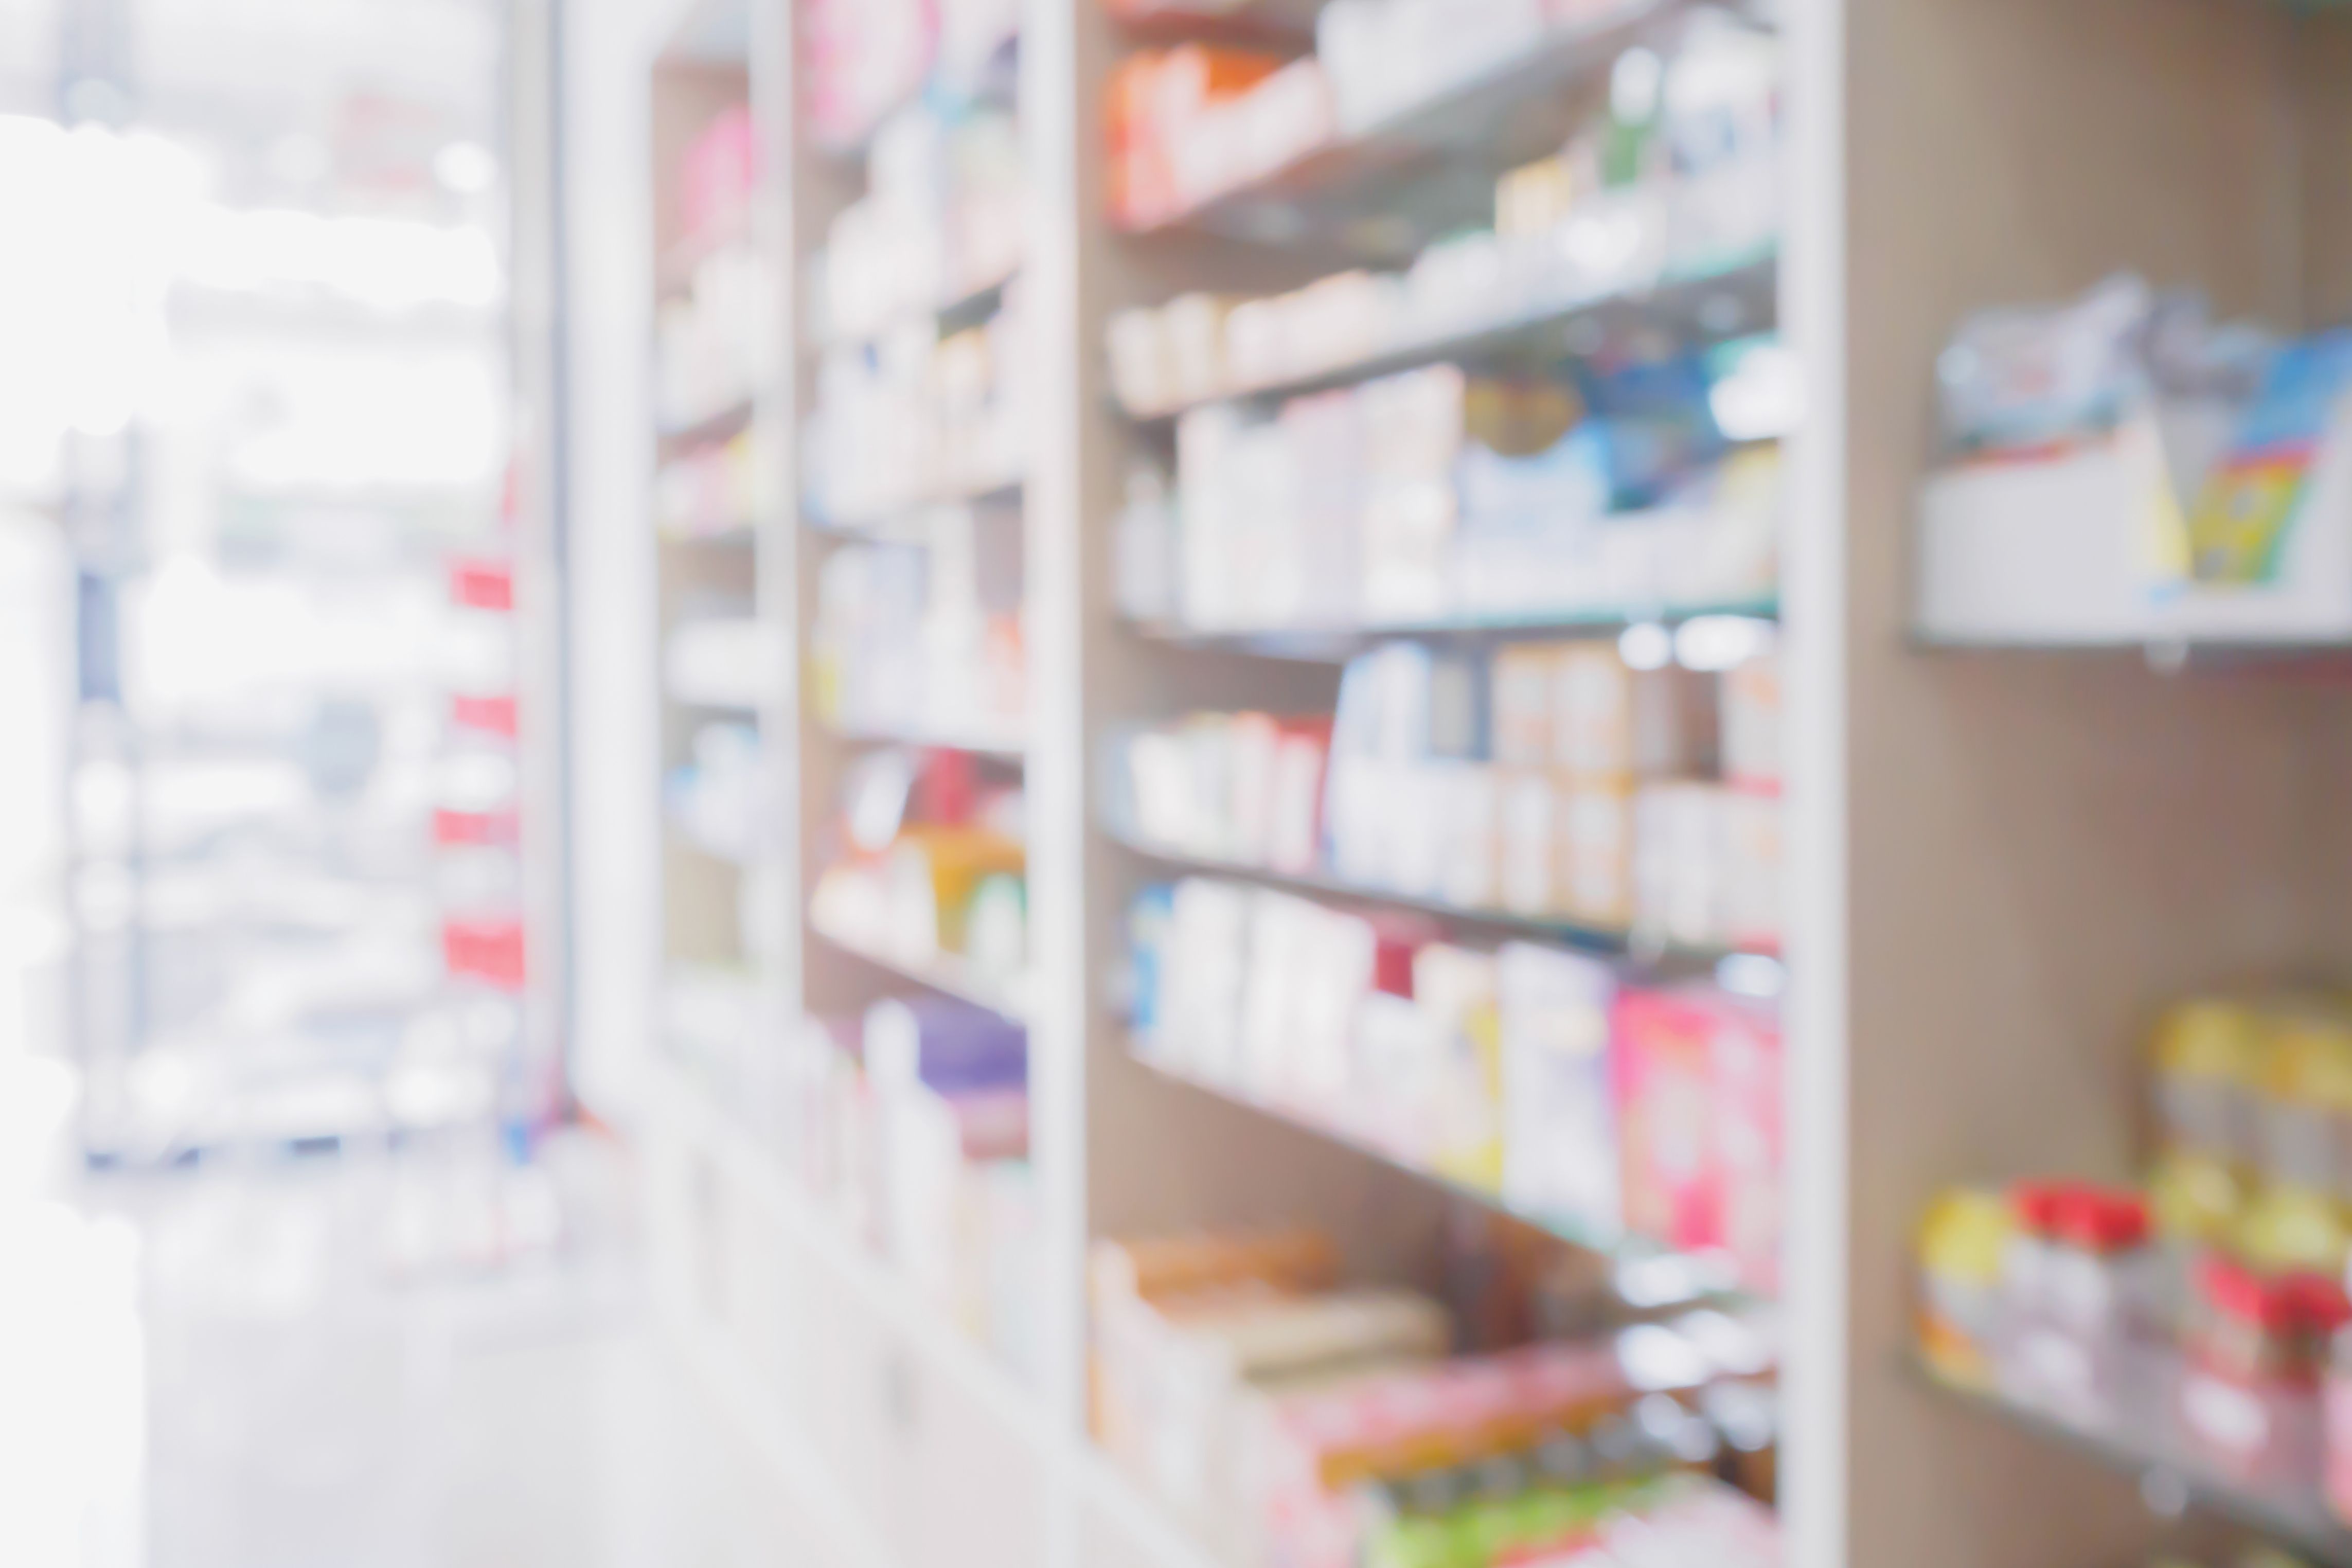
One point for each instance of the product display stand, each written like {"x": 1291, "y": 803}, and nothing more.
{"x": 1998, "y": 864}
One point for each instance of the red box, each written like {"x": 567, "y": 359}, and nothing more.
{"x": 487, "y": 715}
{"x": 484, "y": 950}
{"x": 452, "y": 829}
{"x": 481, "y": 585}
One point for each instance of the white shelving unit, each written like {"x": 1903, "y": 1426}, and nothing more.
{"x": 906, "y": 1442}
{"x": 1996, "y": 866}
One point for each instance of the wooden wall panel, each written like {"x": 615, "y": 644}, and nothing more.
{"x": 2041, "y": 848}
{"x": 2322, "y": 54}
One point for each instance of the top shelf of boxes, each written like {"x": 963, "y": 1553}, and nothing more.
{"x": 1563, "y": 413}
{"x": 1643, "y": 208}
{"x": 1389, "y": 132}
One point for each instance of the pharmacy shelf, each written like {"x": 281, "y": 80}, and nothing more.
{"x": 950, "y": 974}
{"x": 1329, "y": 644}
{"x": 710, "y": 429}
{"x": 1719, "y": 303}
{"x": 2166, "y": 655}
{"x": 734, "y": 536}
{"x": 2172, "y": 1475}
{"x": 1284, "y": 24}
{"x": 1003, "y": 745}
{"x": 1589, "y": 938}
{"x": 711, "y": 700}
{"x": 1114, "y": 1497}
{"x": 1468, "y": 119}
{"x": 893, "y": 521}
{"x": 1676, "y": 1281}
{"x": 957, "y": 313}
{"x": 909, "y": 1315}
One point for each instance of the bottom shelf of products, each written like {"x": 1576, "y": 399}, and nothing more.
{"x": 1519, "y": 1410}
{"x": 883, "y": 1291}
{"x": 1251, "y": 1408}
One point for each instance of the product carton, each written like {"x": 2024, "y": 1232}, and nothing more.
{"x": 1595, "y": 841}
{"x": 1559, "y": 1130}
{"x": 1611, "y": 722}
{"x": 1294, "y": 811}
{"x": 1752, "y": 871}
{"x": 1680, "y": 856}
{"x": 1752, "y": 723}
{"x": 1521, "y": 684}
{"x": 1204, "y": 1374}
{"x": 1470, "y": 820}
{"x": 1455, "y": 989}
{"x": 1202, "y": 997}
{"x": 1699, "y": 1117}
{"x": 1529, "y": 813}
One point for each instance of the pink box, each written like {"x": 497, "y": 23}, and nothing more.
{"x": 1699, "y": 1124}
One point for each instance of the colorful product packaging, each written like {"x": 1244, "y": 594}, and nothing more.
{"x": 1698, "y": 1109}
{"x": 1560, "y": 1133}
{"x": 1456, "y": 990}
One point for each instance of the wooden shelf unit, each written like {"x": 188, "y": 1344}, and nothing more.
{"x": 1997, "y": 867}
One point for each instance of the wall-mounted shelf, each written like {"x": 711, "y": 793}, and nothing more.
{"x": 714, "y": 427}
{"x": 965, "y": 310}
{"x": 1001, "y": 744}
{"x": 735, "y": 536}
{"x": 1668, "y": 1279}
{"x": 894, "y": 520}
{"x": 1567, "y": 932}
{"x": 1511, "y": 110}
{"x": 1336, "y": 644}
{"x": 2146, "y": 1445}
{"x": 950, "y": 974}
{"x": 1695, "y": 306}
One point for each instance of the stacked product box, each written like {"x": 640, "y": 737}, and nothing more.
{"x": 924, "y": 635}
{"x": 912, "y": 1123}
{"x": 1434, "y": 496}
{"x": 1529, "y": 1073}
{"x": 1546, "y": 780}
{"x": 1284, "y": 1418}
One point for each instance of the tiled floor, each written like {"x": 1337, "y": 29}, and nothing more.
{"x": 320, "y": 1387}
